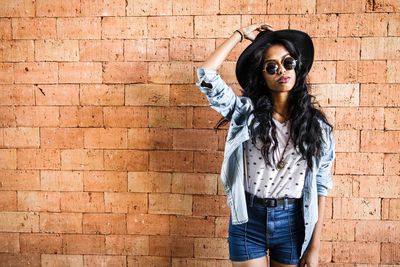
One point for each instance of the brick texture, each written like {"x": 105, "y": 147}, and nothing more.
{"x": 108, "y": 156}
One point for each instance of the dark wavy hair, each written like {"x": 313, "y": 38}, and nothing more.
{"x": 302, "y": 111}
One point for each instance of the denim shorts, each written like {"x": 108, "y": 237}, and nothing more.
{"x": 279, "y": 229}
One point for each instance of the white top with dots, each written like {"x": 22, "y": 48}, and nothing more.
{"x": 264, "y": 181}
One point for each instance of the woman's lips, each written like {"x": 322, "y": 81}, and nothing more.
{"x": 283, "y": 80}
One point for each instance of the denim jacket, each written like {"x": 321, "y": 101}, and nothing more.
{"x": 236, "y": 109}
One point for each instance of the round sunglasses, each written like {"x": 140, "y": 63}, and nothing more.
{"x": 289, "y": 63}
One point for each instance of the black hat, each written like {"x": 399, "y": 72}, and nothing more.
{"x": 301, "y": 40}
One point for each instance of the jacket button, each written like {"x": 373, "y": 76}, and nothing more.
{"x": 306, "y": 206}
{"x": 306, "y": 223}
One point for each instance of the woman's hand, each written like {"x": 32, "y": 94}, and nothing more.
{"x": 310, "y": 257}
{"x": 250, "y": 33}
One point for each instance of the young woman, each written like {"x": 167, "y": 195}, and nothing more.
{"x": 279, "y": 148}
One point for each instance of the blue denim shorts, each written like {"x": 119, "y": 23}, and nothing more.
{"x": 279, "y": 229}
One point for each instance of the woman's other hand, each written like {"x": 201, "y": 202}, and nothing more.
{"x": 250, "y": 32}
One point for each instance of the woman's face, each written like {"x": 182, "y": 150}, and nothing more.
{"x": 278, "y": 53}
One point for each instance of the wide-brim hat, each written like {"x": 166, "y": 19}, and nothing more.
{"x": 301, "y": 40}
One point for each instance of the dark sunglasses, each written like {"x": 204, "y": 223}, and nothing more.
{"x": 289, "y": 63}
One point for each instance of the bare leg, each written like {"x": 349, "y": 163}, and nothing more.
{"x": 259, "y": 262}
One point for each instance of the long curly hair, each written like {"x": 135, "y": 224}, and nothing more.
{"x": 303, "y": 114}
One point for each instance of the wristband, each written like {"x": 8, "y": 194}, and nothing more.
{"x": 241, "y": 34}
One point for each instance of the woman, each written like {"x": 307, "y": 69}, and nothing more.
{"x": 279, "y": 148}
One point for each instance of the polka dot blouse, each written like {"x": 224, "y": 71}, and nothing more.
{"x": 265, "y": 181}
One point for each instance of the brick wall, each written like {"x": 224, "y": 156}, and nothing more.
{"x": 108, "y": 153}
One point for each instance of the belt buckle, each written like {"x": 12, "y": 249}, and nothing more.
{"x": 271, "y": 202}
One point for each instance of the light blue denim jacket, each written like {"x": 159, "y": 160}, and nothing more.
{"x": 236, "y": 109}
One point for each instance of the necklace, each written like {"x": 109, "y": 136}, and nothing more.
{"x": 281, "y": 162}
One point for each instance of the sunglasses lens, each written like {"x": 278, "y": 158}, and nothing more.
{"x": 271, "y": 68}
{"x": 289, "y": 63}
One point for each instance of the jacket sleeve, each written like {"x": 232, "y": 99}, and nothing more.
{"x": 324, "y": 176}
{"x": 220, "y": 96}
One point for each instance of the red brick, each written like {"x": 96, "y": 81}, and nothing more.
{"x": 337, "y": 48}
{"x": 61, "y": 180}
{"x": 201, "y": 48}
{"x": 359, "y": 163}
{"x": 19, "y": 222}
{"x": 209, "y": 162}
{"x": 18, "y": 8}
{"x": 5, "y": 29}
{"x": 340, "y": 6}
{"x": 8, "y": 201}
{"x": 356, "y": 208}
{"x": 149, "y": 261}
{"x": 127, "y": 245}
{"x": 197, "y": 227}
{"x": 19, "y": 180}
{"x": 170, "y": 204}
{"x": 124, "y": 28}
{"x": 104, "y": 224}
{"x": 392, "y": 71}
{"x": 387, "y": 188}
{"x": 384, "y": 95}
{"x": 57, "y": 94}
{"x": 21, "y": 137}
{"x": 82, "y": 202}
{"x": 323, "y": 72}
{"x": 170, "y": 27}
{"x": 148, "y": 8}
{"x": 221, "y": 226}
{"x": 158, "y": 50}
{"x": 105, "y": 181}
{"x": 391, "y": 164}
{"x": 40, "y": 243}
{"x": 184, "y": 95}
{"x": 215, "y": 248}
{"x": 361, "y": 71}
{"x": 338, "y": 230}
{"x": 61, "y": 260}
{"x": 82, "y": 159}
{"x": 83, "y": 244}
{"x": 390, "y": 253}
{"x": 151, "y": 182}
{"x": 150, "y": 138}
{"x": 383, "y": 6}
{"x": 356, "y": 252}
{"x": 101, "y": 50}
{"x": 36, "y": 72}
{"x": 9, "y": 242}
{"x": 182, "y": 262}
{"x": 380, "y": 141}
{"x": 6, "y": 73}
{"x": 343, "y": 186}
{"x": 12, "y": 259}
{"x": 130, "y": 117}
{"x": 105, "y": 138}
{"x": 148, "y": 224}
{"x": 171, "y": 117}
{"x": 38, "y": 201}
{"x": 394, "y": 24}
{"x": 368, "y": 24}
{"x": 37, "y": 116}
{"x": 380, "y": 48}
{"x": 48, "y": 8}
{"x": 8, "y": 159}
{"x": 34, "y": 28}
{"x": 316, "y": 25}
{"x": 80, "y": 72}
{"x": 210, "y": 206}
{"x": 347, "y": 140}
{"x": 56, "y": 50}
{"x": 40, "y": 158}
{"x": 194, "y": 183}
{"x": 126, "y": 202}
{"x": 171, "y": 161}
{"x": 377, "y": 231}
{"x": 147, "y": 95}
{"x": 136, "y": 50}
{"x": 126, "y": 160}
{"x": 99, "y": 260}
{"x": 195, "y": 139}
{"x": 61, "y": 138}
{"x": 359, "y": 118}
{"x": 17, "y": 95}
{"x": 125, "y": 72}
{"x": 215, "y": 26}
{"x": 206, "y": 117}
{"x": 104, "y": 8}
{"x": 79, "y": 28}
{"x": 16, "y": 50}
{"x": 81, "y": 116}
{"x": 60, "y": 222}
{"x": 175, "y": 246}
{"x": 228, "y": 7}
